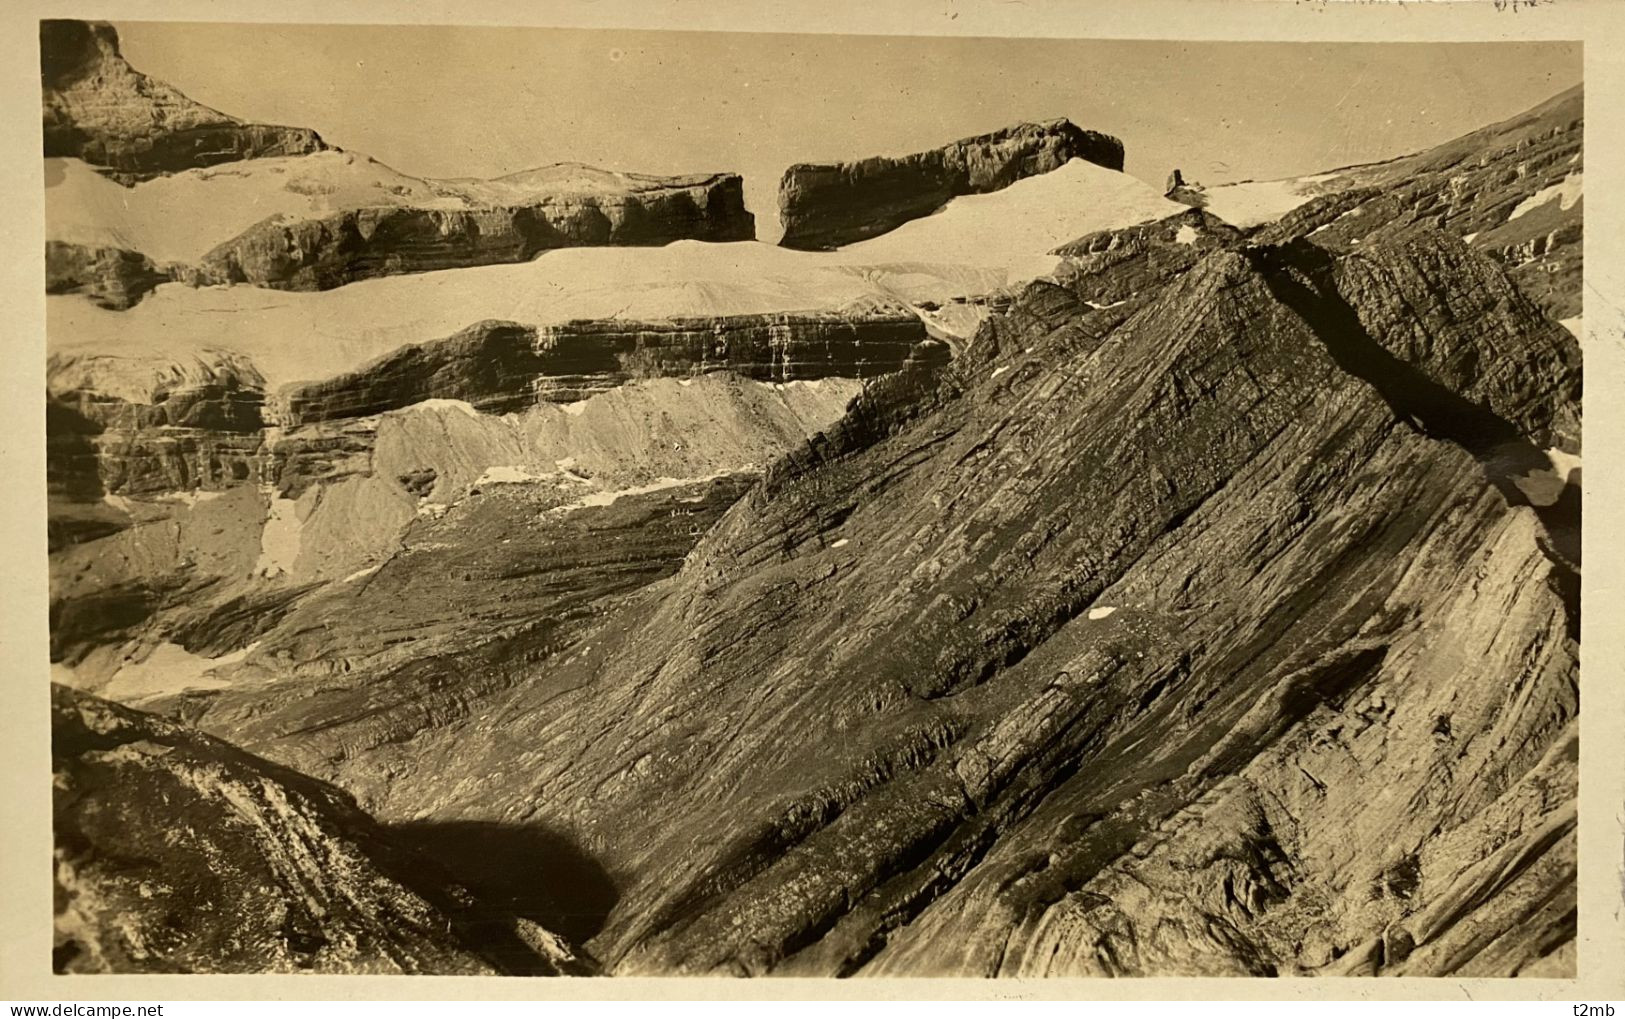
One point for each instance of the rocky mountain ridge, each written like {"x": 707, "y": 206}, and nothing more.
{"x": 133, "y": 129}
{"x": 1511, "y": 189}
{"x": 825, "y": 206}
{"x": 1017, "y": 580}
{"x": 1019, "y": 661}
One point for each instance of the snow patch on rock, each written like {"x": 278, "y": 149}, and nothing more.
{"x": 1254, "y": 203}
{"x": 1567, "y": 191}
{"x": 280, "y": 539}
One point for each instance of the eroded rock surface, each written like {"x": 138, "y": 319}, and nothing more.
{"x": 831, "y": 205}
{"x": 184, "y": 555}
{"x": 1511, "y": 190}
{"x": 327, "y": 220}
{"x": 504, "y": 366}
{"x": 1213, "y": 611}
{"x": 112, "y": 277}
{"x": 177, "y": 853}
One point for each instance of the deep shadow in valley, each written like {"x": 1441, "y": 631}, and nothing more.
{"x": 1299, "y": 275}
{"x": 526, "y": 870}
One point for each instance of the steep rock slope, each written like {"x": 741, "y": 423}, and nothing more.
{"x": 100, "y": 109}
{"x": 833, "y": 205}
{"x": 579, "y": 322}
{"x": 1246, "y": 662}
{"x": 597, "y": 316}
{"x": 139, "y": 427}
{"x": 177, "y": 853}
{"x": 1511, "y": 190}
{"x": 503, "y": 366}
{"x": 1214, "y": 611}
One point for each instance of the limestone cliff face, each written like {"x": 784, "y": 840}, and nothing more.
{"x": 328, "y": 251}
{"x": 138, "y": 428}
{"x": 177, "y": 853}
{"x": 830, "y": 205}
{"x": 100, "y": 109}
{"x": 502, "y": 366}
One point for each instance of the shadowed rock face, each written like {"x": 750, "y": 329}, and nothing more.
{"x": 100, "y": 109}
{"x": 829, "y": 205}
{"x": 179, "y": 854}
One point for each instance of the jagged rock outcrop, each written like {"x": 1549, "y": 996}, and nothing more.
{"x": 177, "y": 853}
{"x": 509, "y": 220}
{"x": 831, "y": 205}
{"x": 111, "y": 277}
{"x": 1185, "y": 193}
{"x": 100, "y": 109}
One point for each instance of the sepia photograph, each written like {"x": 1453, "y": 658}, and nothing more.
{"x": 539, "y": 501}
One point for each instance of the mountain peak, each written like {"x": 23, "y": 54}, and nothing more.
{"x": 100, "y": 109}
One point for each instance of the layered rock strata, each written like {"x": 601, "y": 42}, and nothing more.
{"x": 829, "y": 205}
{"x": 323, "y": 252}
{"x": 202, "y": 424}
{"x": 502, "y": 366}
{"x": 340, "y": 226}
{"x": 1065, "y": 744}
{"x": 1511, "y": 190}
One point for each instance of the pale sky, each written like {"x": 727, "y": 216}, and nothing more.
{"x": 479, "y": 102}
